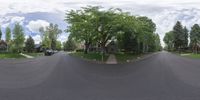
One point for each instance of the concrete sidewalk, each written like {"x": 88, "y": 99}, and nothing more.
{"x": 111, "y": 59}
{"x": 27, "y": 56}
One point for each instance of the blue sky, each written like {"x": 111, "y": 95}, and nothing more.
{"x": 32, "y": 14}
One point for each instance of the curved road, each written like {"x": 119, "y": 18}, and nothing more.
{"x": 162, "y": 76}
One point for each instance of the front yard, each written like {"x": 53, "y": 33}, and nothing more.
{"x": 17, "y": 55}
{"x": 90, "y": 56}
{"x": 126, "y": 57}
{"x": 10, "y": 55}
{"x": 121, "y": 57}
{"x": 191, "y": 55}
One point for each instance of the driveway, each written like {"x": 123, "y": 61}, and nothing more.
{"x": 162, "y": 76}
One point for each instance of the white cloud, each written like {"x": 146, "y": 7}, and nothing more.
{"x": 166, "y": 19}
{"x": 163, "y": 12}
{"x": 5, "y": 25}
{"x": 17, "y": 19}
{"x": 63, "y": 37}
{"x": 37, "y": 39}
{"x": 34, "y": 26}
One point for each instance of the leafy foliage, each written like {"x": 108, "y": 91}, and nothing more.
{"x": 18, "y": 35}
{"x": 69, "y": 45}
{"x": 58, "y": 45}
{"x": 29, "y": 44}
{"x": 179, "y": 38}
{"x": 169, "y": 39}
{"x": 195, "y": 37}
{"x": 0, "y": 34}
{"x": 49, "y": 35}
{"x": 95, "y": 26}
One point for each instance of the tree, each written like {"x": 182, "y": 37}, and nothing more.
{"x": 107, "y": 26}
{"x": 94, "y": 26}
{"x": 185, "y": 43}
{"x": 18, "y": 35}
{"x": 53, "y": 32}
{"x": 178, "y": 36}
{"x": 0, "y": 34}
{"x": 8, "y": 34}
{"x": 49, "y": 35}
{"x": 146, "y": 33}
{"x": 29, "y": 44}
{"x": 45, "y": 38}
{"x": 69, "y": 45}
{"x": 169, "y": 40}
{"x": 82, "y": 25}
{"x": 8, "y": 38}
{"x": 155, "y": 44}
{"x": 58, "y": 45}
{"x": 127, "y": 32}
{"x": 195, "y": 37}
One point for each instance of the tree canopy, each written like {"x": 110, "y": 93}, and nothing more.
{"x": 29, "y": 44}
{"x": 49, "y": 36}
{"x": 18, "y": 36}
{"x": 95, "y": 26}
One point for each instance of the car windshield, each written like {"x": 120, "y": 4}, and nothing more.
{"x": 99, "y": 50}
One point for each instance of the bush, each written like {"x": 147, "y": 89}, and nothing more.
{"x": 80, "y": 50}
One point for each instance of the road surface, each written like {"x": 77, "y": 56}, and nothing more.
{"x": 162, "y": 76}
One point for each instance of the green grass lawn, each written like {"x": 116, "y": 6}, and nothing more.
{"x": 10, "y": 55}
{"x": 123, "y": 57}
{"x": 90, "y": 56}
{"x": 191, "y": 55}
{"x": 35, "y": 54}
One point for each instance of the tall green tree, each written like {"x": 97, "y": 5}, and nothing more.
{"x": 49, "y": 35}
{"x": 8, "y": 34}
{"x": 146, "y": 33}
{"x": 83, "y": 25}
{"x": 0, "y": 33}
{"x": 178, "y": 36}
{"x": 8, "y": 38}
{"x": 185, "y": 39}
{"x": 156, "y": 45}
{"x": 53, "y": 32}
{"x": 195, "y": 37}
{"x": 18, "y": 36}
{"x": 45, "y": 38}
{"x": 58, "y": 45}
{"x": 92, "y": 25}
{"x": 107, "y": 26}
{"x": 69, "y": 45}
{"x": 169, "y": 40}
{"x": 127, "y": 32}
{"x": 29, "y": 44}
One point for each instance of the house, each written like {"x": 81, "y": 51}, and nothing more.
{"x": 110, "y": 48}
{"x": 3, "y": 46}
{"x": 38, "y": 48}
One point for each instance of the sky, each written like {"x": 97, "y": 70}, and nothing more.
{"x": 33, "y": 14}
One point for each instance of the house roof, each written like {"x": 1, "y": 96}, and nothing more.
{"x": 37, "y": 45}
{"x": 2, "y": 42}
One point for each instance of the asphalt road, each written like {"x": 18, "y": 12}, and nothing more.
{"x": 162, "y": 76}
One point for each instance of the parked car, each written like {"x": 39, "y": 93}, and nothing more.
{"x": 55, "y": 51}
{"x": 48, "y": 52}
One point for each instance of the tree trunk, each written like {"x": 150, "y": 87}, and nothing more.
{"x": 87, "y": 45}
{"x": 103, "y": 50}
